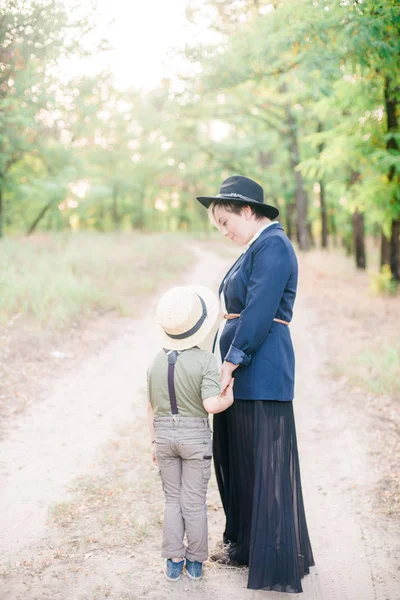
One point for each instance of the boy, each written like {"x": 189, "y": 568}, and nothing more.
{"x": 183, "y": 387}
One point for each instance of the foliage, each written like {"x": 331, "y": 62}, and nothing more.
{"x": 34, "y": 36}
{"x": 382, "y": 282}
{"x": 293, "y": 93}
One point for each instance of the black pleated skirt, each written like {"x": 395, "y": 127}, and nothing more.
{"x": 258, "y": 474}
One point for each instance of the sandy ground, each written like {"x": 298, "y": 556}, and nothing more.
{"x": 81, "y": 505}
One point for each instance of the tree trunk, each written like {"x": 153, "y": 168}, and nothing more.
{"x": 358, "y": 230}
{"x": 332, "y": 227}
{"x": 300, "y": 194}
{"x": 265, "y": 159}
{"x": 138, "y": 214}
{"x": 385, "y": 250}
{"x": 40, "y": 216}
{"x": 324, "y": 217}
{"x": 114, "y": 211}
{"x": 310, "y": 235}
{"x": 358, "y": 238}
{"x": 395, "y": 250}
{"x": 1, "y": 209}
{"x": 290, "y": 209}
{"x": 391, "y": 105}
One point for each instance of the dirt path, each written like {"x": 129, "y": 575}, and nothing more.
{"x": 106, "y": 545}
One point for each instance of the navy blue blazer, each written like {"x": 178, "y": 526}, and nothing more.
{"x": 261, "y": 285}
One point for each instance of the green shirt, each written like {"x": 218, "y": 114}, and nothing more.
{"x": 196, "y": 378}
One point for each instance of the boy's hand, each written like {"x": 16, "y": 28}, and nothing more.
{"x": 153, "y": 454}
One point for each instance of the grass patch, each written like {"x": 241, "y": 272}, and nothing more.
{"x": 376, "y": 369}
{"x": 382, "y": 282}
{"x": 379, "y": 369}
{"x": 102, "y": 506}
{"x": 53, "y": 279}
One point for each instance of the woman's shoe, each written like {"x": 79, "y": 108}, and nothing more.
{"x": 173, "y": 570}
{"x": 222, "y": 557}
{"x": 194, "y": 569}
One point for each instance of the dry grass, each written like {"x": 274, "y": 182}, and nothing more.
{"x": 364, "y": 328}
{"x": 110, "y": 529}
{"x": 109, "y": 514}
{"x": 363, "y": 332}
{"x": 112, "y": 508}
{"x": 376, "y": 368}
{"x": 62, "y": 296}
{"x": 55, "y": 279}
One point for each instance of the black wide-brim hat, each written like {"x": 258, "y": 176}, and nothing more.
{"x": 244, "y": 191}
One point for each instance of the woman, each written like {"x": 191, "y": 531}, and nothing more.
{"x": 255, "y": 448}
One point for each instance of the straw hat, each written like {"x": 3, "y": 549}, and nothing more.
{"x": 187, "y": 315}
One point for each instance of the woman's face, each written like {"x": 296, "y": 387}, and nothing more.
{"x": 237, "y": 227}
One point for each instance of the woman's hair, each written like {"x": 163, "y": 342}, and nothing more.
{"x": 234, "y": 207}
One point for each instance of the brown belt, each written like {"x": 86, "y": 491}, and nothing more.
{"x": 230, "y": 316}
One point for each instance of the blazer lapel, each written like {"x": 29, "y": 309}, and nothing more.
{"x": 232, "y": 269}
{"x": 239, "y": 260}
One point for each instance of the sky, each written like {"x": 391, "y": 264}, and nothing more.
{"x": 144, "y": 34}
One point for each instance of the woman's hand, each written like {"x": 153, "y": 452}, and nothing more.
{"x": 226, "y": 374}
{"x": 227, "y": 394}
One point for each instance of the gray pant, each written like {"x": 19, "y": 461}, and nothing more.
{"x": 183, "y": 451}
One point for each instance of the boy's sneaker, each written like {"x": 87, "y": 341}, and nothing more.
{"x": 173, "y": 570}
{"x": 194, "y": 569}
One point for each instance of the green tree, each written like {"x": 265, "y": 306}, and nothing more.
{"x": 33, "y": 37}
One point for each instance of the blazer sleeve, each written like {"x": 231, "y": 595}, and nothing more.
{"x": 271, "y": 269}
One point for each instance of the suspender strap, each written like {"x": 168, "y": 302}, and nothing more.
{"x": 172, "y": 358}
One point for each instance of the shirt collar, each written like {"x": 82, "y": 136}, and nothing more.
{"x": 257, "y": 234}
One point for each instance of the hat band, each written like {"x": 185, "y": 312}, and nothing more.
{"x": 233, "y": 195}
{"x": 195, "y": 328}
